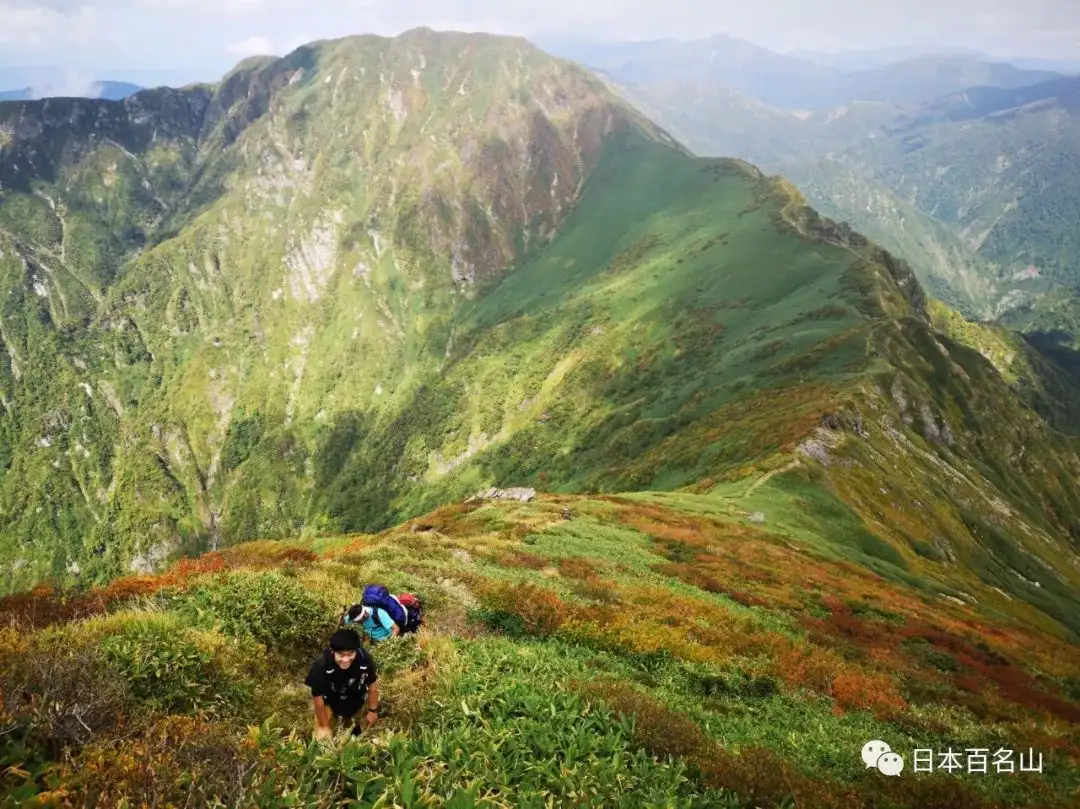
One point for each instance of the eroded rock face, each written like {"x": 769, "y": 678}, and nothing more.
{"x": 151, "y": 560}
{"x": 523, "y": 495}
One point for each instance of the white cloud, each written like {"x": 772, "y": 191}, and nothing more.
{"x": 38, "y": 25}
{"x": 231, "y": 7}
{"x": 252, "y": 46}
{"x": 71, "y": 84}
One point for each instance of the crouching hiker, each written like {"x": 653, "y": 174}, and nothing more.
{"x": 342, "y": 679}
{"x": 374, "y": 621}
{"x": 382, "y": 615}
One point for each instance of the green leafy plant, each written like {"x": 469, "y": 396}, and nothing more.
{"x": 268, "y": 607}
{"x": 167, "y": 669}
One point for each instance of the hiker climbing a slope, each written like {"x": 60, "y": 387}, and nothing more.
{"x": 381, "y": 615}
{"x": 375, "y": 622}
{"x": 342, "y": 679}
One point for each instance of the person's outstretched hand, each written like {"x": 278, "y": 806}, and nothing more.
{"x": 322, "y": 733}
{"x": 371, "y": 718}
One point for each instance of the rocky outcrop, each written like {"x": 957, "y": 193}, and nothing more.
{"x": 522, "y": 495}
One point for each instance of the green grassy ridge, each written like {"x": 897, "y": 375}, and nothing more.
{"x": 184, "y": 290}
{"x": 468, "y": 707}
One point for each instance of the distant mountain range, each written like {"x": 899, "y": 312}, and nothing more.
{"x": 880, "y": 57}
{"x": 788, "y": 82}
{"x": 110, "y": 90}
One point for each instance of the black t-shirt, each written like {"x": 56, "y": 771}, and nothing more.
{"x": 342, "y": 689}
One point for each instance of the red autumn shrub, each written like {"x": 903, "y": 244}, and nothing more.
{"x": 176, "y": 761}
{"x": 809, "y": 667}
{"x": 577, "y": 567}
{"x": 540, "y": 610}
{"x": 212, "y": 562}
{"x": 691, "y": 574}
{"x": 872, "y": 691}
{"x": 658, "y": 729}
{"x": 746, "y": 599}
{"x": 296, "y": 557}
{"x": 35, "y": 608}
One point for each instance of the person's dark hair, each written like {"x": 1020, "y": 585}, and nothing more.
{"x": 344, "y": 640}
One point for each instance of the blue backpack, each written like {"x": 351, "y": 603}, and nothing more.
{"x": 376, "y": 595}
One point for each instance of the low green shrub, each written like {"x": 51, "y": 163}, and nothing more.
{"x": 394, "y": 656}
{"x": 167, "y": 668}
{"x": 270, "y": 608}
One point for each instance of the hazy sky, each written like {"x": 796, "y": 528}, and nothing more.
{"x": 199, "y": 39}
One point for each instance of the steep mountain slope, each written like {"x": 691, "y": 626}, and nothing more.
{"x": 336, "y": 207}
{"x": 343, "y": 287}
{"x": 1051, "y": 321}
{"x": 949, "y": 269}
{"x": 784, "y": 507}
{"x": 1036, "y": 365}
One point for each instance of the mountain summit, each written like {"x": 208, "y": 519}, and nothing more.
{"x": 184, "y": 265}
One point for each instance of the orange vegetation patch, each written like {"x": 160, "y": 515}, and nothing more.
{"x": 517, "y": 558}
{"x": 866, "y": 618}
{"x": 177, "y": 760}
{"x": 541, "y": 611}
{"x": 43, "y": 606}
{"x": 578, "y": 567}
{"x": 453, "y": 520}
{"x": 968, "y": 662}
{"x": 653, "y": 620}
{"x": 663, "y": 523}
{"x": 852, "y": 686}
{"x": 731, "y": 557}
{"x": 753, "y": 427}
{"x": 699, "y": 578}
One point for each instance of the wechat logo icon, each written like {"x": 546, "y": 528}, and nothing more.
{"x": 880, "y": 756}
